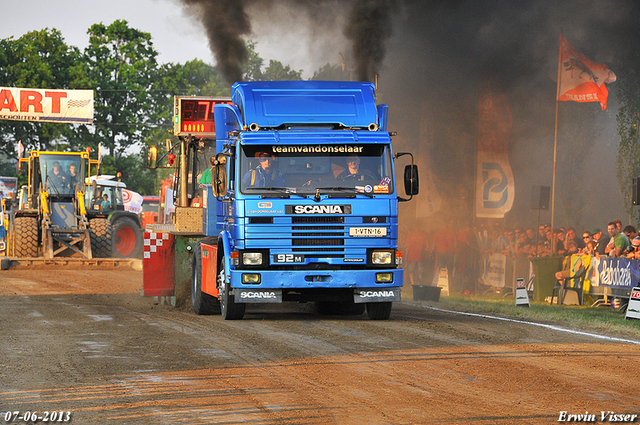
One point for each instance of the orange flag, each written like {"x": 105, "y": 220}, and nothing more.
{"x": 582, "y": 80}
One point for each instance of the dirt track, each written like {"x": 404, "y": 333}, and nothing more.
{"x": 87, "y": 342}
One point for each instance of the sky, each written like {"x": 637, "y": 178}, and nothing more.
{"x": 436, "y": 57}
{"x": 177, "y": 36}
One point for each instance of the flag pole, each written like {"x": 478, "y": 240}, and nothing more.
{"x": 555, "y": 148}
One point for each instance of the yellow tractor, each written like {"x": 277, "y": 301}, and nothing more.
{"x": 54, "y": 221}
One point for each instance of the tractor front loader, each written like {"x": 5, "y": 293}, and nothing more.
{"x": 55, "y": 222}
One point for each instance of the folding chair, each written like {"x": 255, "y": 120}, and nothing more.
{"x": 573, "y": 283}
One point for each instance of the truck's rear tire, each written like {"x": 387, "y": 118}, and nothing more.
{"x": 100, "y": 233}
{"x": 228, "y": 307}
{"x": 202, "y": 303}
{"x": 379, "y": 311}
{"x": 25, "y": 239}
{"x": 127, "y": 238}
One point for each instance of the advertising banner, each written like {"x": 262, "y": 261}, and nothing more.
{"x": 495, "y": 187}
{"x": 61, "y": 106}
{"x": 495, "y": 270}
{"x": 132, "y": 201}
{"x": 615, "y": 272}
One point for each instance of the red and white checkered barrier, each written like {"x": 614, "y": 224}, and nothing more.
{"x": 152, "y": 241}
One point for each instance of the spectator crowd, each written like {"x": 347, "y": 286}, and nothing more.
{"x": 462, "y": 251}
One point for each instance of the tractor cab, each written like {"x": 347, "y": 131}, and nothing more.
{"x": 104, "y": 195}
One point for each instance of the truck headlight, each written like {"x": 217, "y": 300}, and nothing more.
{"x": 384, "y": 277}
{"x": 381, "y": 257}
{"x": 252, "y": 258}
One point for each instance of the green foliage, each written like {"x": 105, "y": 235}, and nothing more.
{"x": 330, "y": 72}
{"x": 121, "y": 64}
{"x": 135, "y": 173}
{"x": 628, "y": 119}
{"x": 276, "y": 71}
{"x": 253, "y": 67}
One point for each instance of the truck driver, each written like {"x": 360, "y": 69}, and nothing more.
{"x": 264, "y": 175}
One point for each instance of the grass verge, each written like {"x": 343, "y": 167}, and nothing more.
{"x": 600, "y": 320}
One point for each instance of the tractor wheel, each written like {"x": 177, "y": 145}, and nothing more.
{"x": 25, "y": 238}
{"x": 202, "y": 303}
{"x": 100, "y": 237}
{"x": 127, "y": 238}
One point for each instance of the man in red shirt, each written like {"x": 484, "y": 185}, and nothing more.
{"x": 414, "y": 256}
{"x": 444, "y": 244}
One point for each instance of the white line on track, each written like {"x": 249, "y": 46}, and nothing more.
{"x": 542, "y": 325}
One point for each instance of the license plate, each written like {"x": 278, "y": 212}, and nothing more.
{"x": 288, "y": 258}
{"x": 367, "y": 231}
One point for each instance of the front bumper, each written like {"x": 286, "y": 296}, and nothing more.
{"x": 360, "y": 284}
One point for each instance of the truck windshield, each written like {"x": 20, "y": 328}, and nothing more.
{"x": 354, "y": 168}
{"x": 62, "y": 174}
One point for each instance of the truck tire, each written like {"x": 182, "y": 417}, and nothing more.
{"x": 379, "y": 311}
{"x": 127, "y": 238}
{"x": 228, "y": 307}
{"x": 25, "y": 239}
{"x": 100, "y": 232}
{"x": 202, "y": 303}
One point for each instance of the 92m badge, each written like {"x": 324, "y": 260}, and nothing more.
{"x": 288, "y": 258}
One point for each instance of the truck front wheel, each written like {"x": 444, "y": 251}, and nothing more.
{"x": 228, "y": 307}
{"x": 379, "y": 311}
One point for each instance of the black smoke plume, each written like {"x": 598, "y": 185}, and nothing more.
{"x": 368, "y": 27}
{"x": 225, "y": 22}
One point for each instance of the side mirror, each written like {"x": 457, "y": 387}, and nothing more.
{"x": 152, "y": 157}
{"x": 219, "y": 176}
{"x": 411, "y": 183}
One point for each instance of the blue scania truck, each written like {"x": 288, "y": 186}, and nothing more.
{"x": 302, "y": 204}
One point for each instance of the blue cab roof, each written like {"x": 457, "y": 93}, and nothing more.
{"x": 274, "y": 103}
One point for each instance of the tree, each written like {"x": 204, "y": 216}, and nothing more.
{"x": 273, "y": 72}
{"x": 121, "y": 63}
{"x": 329, "y": 72}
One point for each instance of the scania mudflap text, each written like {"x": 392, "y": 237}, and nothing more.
{"x": 303, "y": 204}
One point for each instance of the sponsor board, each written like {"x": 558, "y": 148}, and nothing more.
{"x": 633, "y": 309}
{"x": 616, "y": 272}
{"x": 522, "y": 296}
{"x": 368, "y": 295}
{"x": 258, "y": 295}
{"x": 60, "y": 106}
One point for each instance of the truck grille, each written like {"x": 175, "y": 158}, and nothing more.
{"x": 316, "y": 242}
{"x": 323, "y": 238}
{"x": 317, "y": 220}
